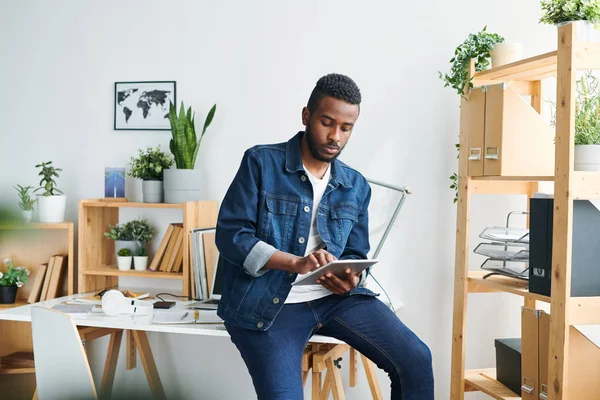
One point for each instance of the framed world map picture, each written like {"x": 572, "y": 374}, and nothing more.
{"x": 143, "y": 105}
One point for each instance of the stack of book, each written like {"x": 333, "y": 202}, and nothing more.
{"x": 203, "y": 261}
{"x": 48, "y": 279}
{"x": 169, "y": 256}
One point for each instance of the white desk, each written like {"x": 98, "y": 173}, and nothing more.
{"x": 319, "y": 356}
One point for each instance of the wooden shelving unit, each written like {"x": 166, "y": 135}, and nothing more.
{"x": 97, "y": 260}
{"x": 569, "y": 185}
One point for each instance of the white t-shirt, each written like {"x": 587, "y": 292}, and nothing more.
{"x": 300, "y": 294}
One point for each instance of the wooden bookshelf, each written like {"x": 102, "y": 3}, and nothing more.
{"x": 484, "y": 380}
{"x": 97, "y": 260}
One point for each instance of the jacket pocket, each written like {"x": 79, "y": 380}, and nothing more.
{"x": 278, "y": 222}
{"x": 343, "y": 217}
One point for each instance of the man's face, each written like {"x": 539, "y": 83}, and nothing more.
{"x": 329, "y": 127}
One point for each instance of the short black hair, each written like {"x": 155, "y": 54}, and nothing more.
{"x": 337, "y": 86}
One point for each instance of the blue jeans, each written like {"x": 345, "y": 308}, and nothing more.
{"x": 273, "y": 357}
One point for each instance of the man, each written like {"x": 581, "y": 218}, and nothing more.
{"x": 291, "y": 208}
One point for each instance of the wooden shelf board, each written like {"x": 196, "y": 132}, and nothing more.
{"x": 584, "y": 310}
{"x": 586, "y": 185}
{"x": 111, "y": 270}
{"x": 38, "y": 225}
{"x": 130, "y": 204}
{"x": 484, "y": 380}
{"x": 513, "y": 178}
{"x": 16, "y": 371}
{"x": 529, "y": 69}
{"x": 501, "y": 284}
{"x": 18, "y": 303}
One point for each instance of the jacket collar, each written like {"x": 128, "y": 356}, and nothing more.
{"x": 293, "y": 162}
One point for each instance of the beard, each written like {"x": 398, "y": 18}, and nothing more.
{"x": 314, "y": 149}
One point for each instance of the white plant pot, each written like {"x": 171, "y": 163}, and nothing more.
{"x": 506, "y": 53}
{"x": 51, "y": 209}
{"x": 152, "y": 191}
{"x": 587, "y": 157}
{"x": 584, "y": 29}
{"x": 183, "y": 185}
{"x": 124, "y": 263}
{"x": 140, "y": 262}
{"x": 27, "y": 215}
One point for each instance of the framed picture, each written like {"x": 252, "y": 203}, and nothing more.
{"x": 144, "y": 105}
{"x": 114, "y": 181}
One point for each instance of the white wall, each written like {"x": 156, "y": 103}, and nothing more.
{"x": 259, "y": 61}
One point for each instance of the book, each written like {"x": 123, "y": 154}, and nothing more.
{"x": 74, "y": 310}
{"x": 47, "y": 278}
{"x": 176, "y": 248}
{"x": 38, "y": 282}
{"x": 55, "y": 278}
{"x": 177, "y": 231}
{"x": 161, "y": 249}
{"x": 186, "y": 317}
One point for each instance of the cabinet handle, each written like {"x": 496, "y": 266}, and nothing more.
{"x": 491, "y": 153}
{"x": 528, "y": 388}
{"x": 544, "y": 392}
{"x": 475, "y": 154}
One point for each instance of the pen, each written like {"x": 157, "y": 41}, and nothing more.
{"x": 184, "y": 315}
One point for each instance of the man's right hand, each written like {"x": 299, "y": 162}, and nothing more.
{"x": 304, "y": 265}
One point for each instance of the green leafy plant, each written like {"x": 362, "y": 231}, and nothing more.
{"x": 184, "y": 144}
{"x": 140, "y": 229}
{"x": 149, "y": 164}
{"x": 48, "y": 173}
{"x": 119, "y": 232}
{"x": 14, "y": 276}
{"x": 476, "y": 46}
{"x": 124, "y": 252}
{"x": 25, "y": 201}
{"x": 557, "y": 11}
{"x": 587, "y": 110}
{"x": 140, "y": 250}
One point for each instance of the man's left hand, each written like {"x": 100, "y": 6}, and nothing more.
{"x": 337, "y": 285}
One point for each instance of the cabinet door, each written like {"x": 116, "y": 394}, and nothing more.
{"x": 529, "y": 354}
{"x": 494, "y": 112}
{"x": 473, "y": 126}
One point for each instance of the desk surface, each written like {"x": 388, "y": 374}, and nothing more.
{"x": 131, "y": 322}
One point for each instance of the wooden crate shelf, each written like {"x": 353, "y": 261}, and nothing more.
{"x": 514, "y": 178}
{"x": 529, "y": 69}
{"x": 586, "y": 185}
{"x": 128, "y": 204}
{"x": 38, "y": 225}
{"x": 501, "y": 284}
{"x": 484, "y": 380}
{"x": 111, "y": 270}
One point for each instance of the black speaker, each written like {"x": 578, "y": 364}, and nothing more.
{"x": 585, "y": 259}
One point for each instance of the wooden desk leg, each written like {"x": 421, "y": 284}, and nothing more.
{"x": 373, "y": 383}
{"x": 306, "y": 364}
{"x": 316, "y": 385}
{"x": 143, "y": 346}
{"x": 353, "y": 367}
{"x": 335, "y": 380}
{"x": 35, "y": 394}
{"x": 110, "y": 366}
{"x": 131, "y": 353}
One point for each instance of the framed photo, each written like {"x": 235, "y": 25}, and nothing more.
{"x": 114, "y": 181}
{"x": 144, "y": 105}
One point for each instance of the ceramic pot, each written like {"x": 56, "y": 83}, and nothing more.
{"x": 8, "y": 294}
{"x": 587, "y": 157}
{"x": 182, "y": 185}
{"x": 152, "y": 191}
{"x": 51, "y": 209}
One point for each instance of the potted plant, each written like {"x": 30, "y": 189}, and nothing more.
{"x": 122, "y": 235}
{"x": 148, "y": 166}
{"x": 140, "y": 259}
{"x": 585, "y": 14}
{"x": 52, "y": 202}
{"x": 476, "y": 47}
{"x": 184, "y": 183}
{"x": 124, "y": 259}
{"x": 11, "y": 280}
{"x": 25, "y": 201}
{"x": 141, "y": 232}
{"x": 587, "y": 123}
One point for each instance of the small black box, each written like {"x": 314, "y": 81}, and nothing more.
{"x": 508, "y": 363}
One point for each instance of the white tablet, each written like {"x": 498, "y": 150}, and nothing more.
{"x": 337, "y": 268}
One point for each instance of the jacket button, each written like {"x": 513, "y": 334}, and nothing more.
{"x": 303, "y": 178}
{"x": 259, "y": 325}
{"x": 276, "y": 300}
{"x": 306, "y": 208}
{"x": 301, "y": 240}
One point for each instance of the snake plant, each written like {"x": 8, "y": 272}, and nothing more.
{"x": 184, "y": 143}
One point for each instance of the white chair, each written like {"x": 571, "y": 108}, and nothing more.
{"x": 62, "y": 370}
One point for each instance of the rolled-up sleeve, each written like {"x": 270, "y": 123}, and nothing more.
{"x": 238, "y": 217}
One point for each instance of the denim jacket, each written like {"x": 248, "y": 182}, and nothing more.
{"x": 268, "y": 207}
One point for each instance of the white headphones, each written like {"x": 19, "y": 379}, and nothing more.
{"x": 115, "y": 303}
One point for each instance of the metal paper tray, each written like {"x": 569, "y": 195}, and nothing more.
{"x": 516, "y": 269}
{"x": 505, "y": 235}
{"x": 504, "y": 251}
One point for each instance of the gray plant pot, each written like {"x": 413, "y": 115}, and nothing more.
{"x": 152, "y": 191}
{"x": 182, "y": 185}
{"x": 129, "y": 244}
